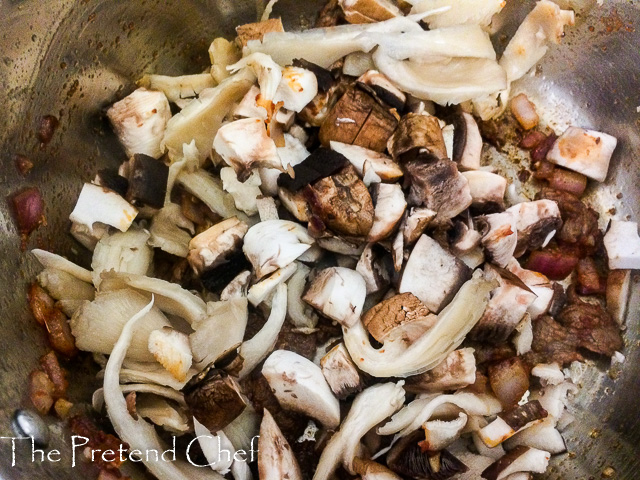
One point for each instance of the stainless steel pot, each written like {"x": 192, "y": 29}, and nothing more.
{"x": 72, "y": 58}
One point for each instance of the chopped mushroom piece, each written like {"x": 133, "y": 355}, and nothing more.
{"x": 623, "y": 245}
{"x": 297, "y": 88}
{"x": 147, "y": 181}
{"x": 539, "y": 284}
{"x": 509, "y": 380}
{"x": 276, "y": 460}
{"x": 487, "y": 189}
{"x": 384, "y": 89}
{"x": 417, "y": 136}
{"x": 543, "y": 436}
{"x": 456, "y": 371}
{"x": 416, "y": 223}
{"x": 499, "y": 236}
{"x": 299, "y": 385}
{"x": 382, "y": 165}
{"x": 260, "y": 291}
{"x": 432, "y": 274}
{"x": 524, "y": 111}
{"x": 368, "y": 11}
{"x": 520, "y": 459}
{"x": 549, "y": 373}
{"x": 245, "y": 194}
{"x": 584, "y": 151}
{"x": 390, "y": 205}
{"x": 172, "y": 350}
{"x": 211, "y": 248}
{"x": 322, "y": 163}
{"x": 439, "y": 434}
{"x": 238, "y": 287}
{"x": 402, "y": 317}
{"x": 341, "y": 373}
{"x": 372, "y": 267}
{"x": 369, "y": 408}
{"x": 178, "y": 88}
{"x": 509, "y": 423}
{"x": 139, "y": 121}
{"x": 370, "y": 470}
{"x": 338, "y": 293}
{"x": 171, "y": 231}
{"x": 467, "y": 142}
{"x": 244, "y": 144}
{"x": 617, "y": 294}
{"x": 214, "y": 398}
{"x": 300, "y": 314}
{"x": 222, "y": 53}
{"x": 98, "y": 204}
{"x": 537, "y": 222}
{"x": 256, "y": 31}
{"x": 275, "y": 244}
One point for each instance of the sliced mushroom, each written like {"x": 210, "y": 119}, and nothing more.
{"x": 384, "y": 89}
{"x": 214, "y": 398}
{"x": 338, "y": 293}
{"x": 390, "y": 205}
{"x": 618, "y": 289}
{"x": 316, "y": 111}
{"x": 221, "y": 276}
{"x": 369, "y": 408}
{"x": 456, "y": 371}
{"x": 499, "y": 236}
{"x": 397, "y": 250}
{"x": 238, "y": 287}
{"x": 548, "y": 373}
{"x": 297, "y": 88}
{"x": 342, "y": 246}
{"x": 111, "y": 179}
{"x": 542, "y": 435}
{"x": 295, "y": 204}
{"x": 520, "y": 459}
{"x": 139, "y": 121}
{"x": 417, "y": 135}
{"x": 382, "y": 165}
{"x": 342, "y": 202}
{"x": 275, "y": 457}
{"x": 509, "y": 380}
{"x": 359, "y": 120}
{"x": 211, "y": 248}
{"x": 171, "y": 231}
{"x": 439, "y": 434}
{"x": 623, "y": 245}
{"x": 509, "y": 423}
{"x": 487, "y": 190}
{"x": 368, "y": 11}
{"x": 523, "y": 335}
{"x": 321, "y": 163}
{"x": 536, "y": 223}
{"x": 244, "y": 144}
{"x": 416, "y": 223}
{"x": 432, "y": 274}
{"x": 372, "y": 267}
{"x": 172, "y": 350}
{"x": 463, "y": 239}
{"x": 275, "y": 244}
{"x": 402, "y": 317}
{"x": 98, "y": 204}
{"x": 341, "y": 373}
{"x": 299, "y": 385}
{"x": 407, "y": 458}
{"x": 509, "y": 303}
{"x": 539, "y": 284}
{"x": 467, "y": 142}
{"x": 584, "y": 151}
{"x": 439, "y": 186}
{"x": 248, "y": 107}
{"x": 370, "y": 470}
{"x": 244, "y": 193}
{"x": 260, "y": 291}
{"x": 300, "y": 314}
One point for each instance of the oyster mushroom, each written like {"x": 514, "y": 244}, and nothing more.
{"x": 369, "y": 408}
{"x": 340, "y": 372}
{"x": 275, "y": 457}
{"x": 98, "y": 204}
{"x": 507, "y": 424}
{"x": 499, "y": 236}
{"x": 390, "y": 205}
{"x": 338, "y": 293}
{"x": 467, "y": 142}
{"x": 417, "y": 135}
{"x": 214, "y": 398}
{"x": 139, "y": 121}
{"x": 211, "y": 247}
{"x": 520, "y": 459}
{"x": 456, "y": 371}
{"x": 536, "y": 223}
{"x": 542, "y": 435}
{"x": 244, "y": 144}
{"x": 487, "y": 189}
{"x": 402, "y": 317}
{"x": 383, "y": 166}
{"x": 432, "y": 274}
{"x": 623, "y": 245}
{"x": 584, "y": 151}
{"x": 407, "y": 458}
{"x": 439, "y": 434}
{"x": 172, "y": 350}
{"x": 275, "y": 244}
{"x": 299, "y": 385}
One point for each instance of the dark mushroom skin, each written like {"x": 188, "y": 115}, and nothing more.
{"x": 109, "y": 178}
{"x": 322, "y": 163}
{"x": 382, "y": 89}
{"x": 213, "y": 398}
{"x": 342, "y": 202}
{"x": 215, "y": 279}
{"x": 147, "y": 181}
{"x": 518, "y": 417}
{"x": 407, "y": 458}
{"x": 417, "y": 135}
{"x": 492, "y": 472}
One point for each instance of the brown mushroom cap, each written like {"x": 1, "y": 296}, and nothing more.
{"x": 417, "y": 135}
{"x": 392, "y": 313}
